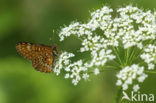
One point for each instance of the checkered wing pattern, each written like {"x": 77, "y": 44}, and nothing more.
{"x": 42, "y": 56}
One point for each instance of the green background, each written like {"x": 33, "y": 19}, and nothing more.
{"x": 39, "y": 21}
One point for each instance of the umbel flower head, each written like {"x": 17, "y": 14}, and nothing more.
{"x": 126, "y": 43}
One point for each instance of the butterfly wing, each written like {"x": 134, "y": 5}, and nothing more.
{"x": 28, "y": 50}
{"x": 41, "y": 56}
{"x": 44, "y": 62}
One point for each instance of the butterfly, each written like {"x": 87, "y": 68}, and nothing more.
{"x": 41, "y": 56}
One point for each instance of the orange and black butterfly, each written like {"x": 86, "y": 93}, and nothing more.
{"x": 42, "y": 56}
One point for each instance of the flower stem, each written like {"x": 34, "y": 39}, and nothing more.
{"x": 116, "y": 52}
{"x": 118, "y": 95}
{"x": 132, "y": 54}
{"x": 127, "y": 56}
{"x": 154, "y": 72}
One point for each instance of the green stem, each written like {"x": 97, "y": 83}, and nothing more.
{"x": 127, "y": 56}
{"x": 110, "y": 67}
{"x": 118, "y": 96}
{"x": 153, "y": 72}
{"x": 116, "y": 52}
{"x": 115, "y": 63}
{"x": 132, "y": 55}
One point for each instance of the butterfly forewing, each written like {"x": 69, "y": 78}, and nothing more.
{"x": 41, "y": 55}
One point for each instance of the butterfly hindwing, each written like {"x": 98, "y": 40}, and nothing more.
{"x": 43, "y": 62}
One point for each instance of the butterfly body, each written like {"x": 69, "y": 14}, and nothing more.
{"x": 42, "y": 56}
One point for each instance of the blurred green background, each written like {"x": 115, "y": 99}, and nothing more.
{"x": 39, "y": 21}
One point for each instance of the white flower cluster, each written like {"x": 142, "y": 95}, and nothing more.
{"x": 135, "y": 26}
{"x": 78, "y": 69}
{"x": 130, "y": 73}
{"x": 63, "y": 60}
{"x": 73, "y": 70}
{"x": 149, "y": 56}
{"x": 132, "y": 27}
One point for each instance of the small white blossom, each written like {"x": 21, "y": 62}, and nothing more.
{"x": 142, "y": 77}
{"x": 150, "y": 66}
{"x": 136, "y": 88}
{"x": 119, "y": 83}
{"x": 85, "y": 76}
{"x": 96, "y": 71}
{"x": 67, "y": 75}
{"x": 124, "y": 87}
{"x": 74, "y": 81}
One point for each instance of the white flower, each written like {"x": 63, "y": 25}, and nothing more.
{"x": 129, "y": 81}
{"x": 136, "y": 88}
{"x": 85, "y": 76}
{"x": 124, "y": 86}
{"x": 96, "y": 71}
{"x": 119, "y": 83}
{"x": 67, "y": 75}
{"x": 150, "y": 66}
{"x": 62, "y": 60}
{"x": 149, "y": 56}
{"x": 74, "y": 81}
{"x": 132, "y": 27}
{"x": 142, "y": 77}
{"x": 128, "y": 74}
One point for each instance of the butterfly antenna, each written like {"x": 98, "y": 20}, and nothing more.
{"x": 51, "y": 38}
